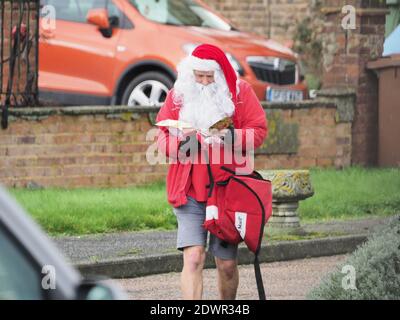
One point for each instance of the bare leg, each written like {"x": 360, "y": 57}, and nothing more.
{"x": 228, "y": 278}
{"x": 192, "y": 272}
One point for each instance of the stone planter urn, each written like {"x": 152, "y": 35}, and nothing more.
{"x": 288, "y": 188}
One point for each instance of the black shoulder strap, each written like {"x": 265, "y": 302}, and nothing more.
{"x": 210, "y": 176}
{"x": 259, "y": 280}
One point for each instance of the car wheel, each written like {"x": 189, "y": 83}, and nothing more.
{"x": 147, "y": 89}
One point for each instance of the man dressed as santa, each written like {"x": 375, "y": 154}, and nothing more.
{"x": 207, "y": 94}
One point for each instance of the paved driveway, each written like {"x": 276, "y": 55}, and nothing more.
{"x": 286, "y": 280}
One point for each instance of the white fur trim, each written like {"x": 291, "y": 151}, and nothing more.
{"x": 202, "y": 64}
{"x": 211, "y": 212}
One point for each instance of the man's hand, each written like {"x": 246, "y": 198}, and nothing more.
{"x": 189, "y": 144}
{"x": 223, "y": 136}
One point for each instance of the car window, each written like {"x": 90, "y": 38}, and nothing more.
{"x": 179, "y": 12}
{"x": 20, "y": 278}
{"x": 76, "y": 10}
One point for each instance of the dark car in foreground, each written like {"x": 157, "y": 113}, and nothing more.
{"x": 31, "y": 267}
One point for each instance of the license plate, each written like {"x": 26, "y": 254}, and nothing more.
{"x": 282, "y": 95}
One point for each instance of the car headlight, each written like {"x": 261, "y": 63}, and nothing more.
{"x": 189, "y": 47}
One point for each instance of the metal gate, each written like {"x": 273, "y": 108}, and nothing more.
{"x": 19, "y": 35}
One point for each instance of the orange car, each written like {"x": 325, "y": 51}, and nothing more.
{"x": 110, "y": 52}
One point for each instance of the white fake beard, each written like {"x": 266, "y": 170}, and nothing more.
{"x": 205, "y": 105}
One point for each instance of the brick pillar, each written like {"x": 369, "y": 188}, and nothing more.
{"x": 345, "y": 56}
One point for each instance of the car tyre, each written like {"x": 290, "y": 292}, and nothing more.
{"x": 148, "y": 89}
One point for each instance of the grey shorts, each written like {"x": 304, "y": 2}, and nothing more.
{"x": 190, "y": 218}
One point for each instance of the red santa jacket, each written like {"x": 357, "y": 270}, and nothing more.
{"x": 248, "y": 114}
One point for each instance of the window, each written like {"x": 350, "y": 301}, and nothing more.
{"x": 20, "y": 278}
{"x": 179, "y": 12}
{"x": 76, "y": 10}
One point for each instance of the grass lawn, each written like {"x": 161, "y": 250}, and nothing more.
{"x": 352, "y": 193}
{"x": 84, "y": 211}
{"x": 346, "y": 194}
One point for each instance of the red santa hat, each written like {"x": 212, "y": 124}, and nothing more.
{"x": 207, "y": 57}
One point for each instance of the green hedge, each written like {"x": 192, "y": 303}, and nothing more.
{"x": 377, "y": 270}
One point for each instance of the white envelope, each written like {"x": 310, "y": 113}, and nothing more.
{"x": 174, "y": 124}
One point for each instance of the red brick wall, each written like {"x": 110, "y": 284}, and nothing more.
{"x": 101, "y": 150}
{"x": 73, "y": 151}
{"x": 322, "y": 141}
{"x": 274, "y": 19}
